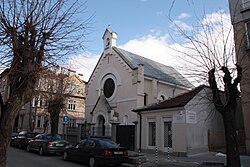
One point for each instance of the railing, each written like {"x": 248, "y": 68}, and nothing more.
{"x": 74, "y": 134}
{"x": 100, "y": 131}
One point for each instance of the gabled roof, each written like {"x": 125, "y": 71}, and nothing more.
{"x": 108, "y": 30}
{"x": 153, "y": 69}
{"x": 78, "y": 78}
{"x": 104, "y": 101}
{"x": 178, "y": 101}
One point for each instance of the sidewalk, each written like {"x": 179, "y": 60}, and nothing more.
{"x": 209, "y": 159}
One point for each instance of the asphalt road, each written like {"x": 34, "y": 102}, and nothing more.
{"x": 22, "y": 158}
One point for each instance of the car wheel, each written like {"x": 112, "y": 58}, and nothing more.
{"x": 92, "y": 162}
{"x": 41, "y": 151}
{"x": 28, "y": 148}
{"x": 65, "y": 156}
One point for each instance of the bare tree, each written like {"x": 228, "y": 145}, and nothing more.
{"x": 33, "y": 34}
{"x": 55, "y": 87}
{"x": 56, "y": 102}
{"x": 57, "y": 90}
{"x": 209, "y": 54}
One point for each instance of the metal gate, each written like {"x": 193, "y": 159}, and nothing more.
{"x": 125, "y": 136}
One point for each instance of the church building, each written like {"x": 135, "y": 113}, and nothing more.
{"x": 123, "y": 81}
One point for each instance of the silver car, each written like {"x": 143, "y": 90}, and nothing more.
{"x": 47, "y": 143}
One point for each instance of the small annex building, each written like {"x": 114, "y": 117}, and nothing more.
{"x": 122, "y": 81}
{"x": 180, "y": 125}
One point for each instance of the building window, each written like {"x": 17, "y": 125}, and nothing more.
{"x": 45, "y": 101}
{"x": 107, "y": 43}
{"x": 168, "y": 134}
{"x": 151, "y": 133}
{"x": 71, "y": 105}
{"x": 109, "y": 87}
{"x": 245, "y": 4}
{"x": 145, "y": 99}
{"x": 34, "y": 102}
{"x": 162, "y": 98}
{"x": 37, "y": 101}
{"x": 72, "y": 123}
{"x": 248, "y": 33}
{"x": 39, "y": 119}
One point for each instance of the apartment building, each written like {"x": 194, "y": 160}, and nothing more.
{"x": 240, "y": 18}
{"x": 51, "y": 84}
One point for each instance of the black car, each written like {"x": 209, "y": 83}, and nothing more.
{"x": 96, "y": 151}
{"x": 13, "y": 136}
{"x": 22, "y": 139}
{"x": 47, "y": 143}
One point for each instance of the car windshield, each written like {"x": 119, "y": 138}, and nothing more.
{"x": 22, "y": 133}
{"x": 108, "y": 144}
{"x": 14, "y": 134}
{"x": 53, "y": 137}
{"x": 31, "y": 135}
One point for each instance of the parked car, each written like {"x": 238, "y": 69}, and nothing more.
{"x": 96, "y": 151}
{"x": 13, "y": 136}
{"x": 22, "y": 139}
{"x": 47, "y": 143}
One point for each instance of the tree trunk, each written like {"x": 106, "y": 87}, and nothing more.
{"x": 45, "y": 125}
{"x": 7, "y": 119}
{"x": 232, "y": 144}
{"x": 54, "y": 109}
{"x": 54, "y": 116}
{"x": 228, "y": 110}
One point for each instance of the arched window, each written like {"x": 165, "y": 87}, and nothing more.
{"x": 162, "y": 98}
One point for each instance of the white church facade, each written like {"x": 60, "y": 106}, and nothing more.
{"x": 123, "y": 81}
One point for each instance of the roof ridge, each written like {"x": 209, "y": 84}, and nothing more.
{"x": 144, "y": 57}
{"x": 153, "y": 68}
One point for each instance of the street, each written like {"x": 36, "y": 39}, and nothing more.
{"x": 22, "y": 158}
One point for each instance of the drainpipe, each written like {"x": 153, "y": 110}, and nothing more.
{"x": 140, "y": 117}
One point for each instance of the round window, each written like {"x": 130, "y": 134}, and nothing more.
{"x": 109, "y": 87}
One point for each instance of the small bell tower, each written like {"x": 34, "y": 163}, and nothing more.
{"x": 109, "y": 40}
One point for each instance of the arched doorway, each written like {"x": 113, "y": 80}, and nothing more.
{"x": 100, "y": 129}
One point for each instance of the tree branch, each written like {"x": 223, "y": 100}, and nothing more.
{"x": 239, "y": 75}
{"x": 216, "y": 93}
